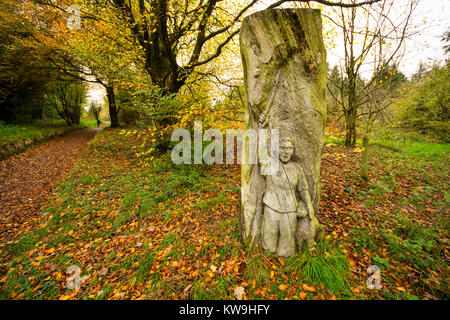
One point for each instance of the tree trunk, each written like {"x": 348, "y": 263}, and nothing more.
{"x": 113, "y": 112}
{"x": 284, "y": 61}
{"x": 351, "y": 112}
{"x": 350, "y": 127}
{"x": 160, "y": 60}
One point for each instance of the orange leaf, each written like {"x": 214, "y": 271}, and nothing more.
{"x": 308, "y": 288}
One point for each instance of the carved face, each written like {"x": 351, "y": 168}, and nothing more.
{"x": 286, "y": 150}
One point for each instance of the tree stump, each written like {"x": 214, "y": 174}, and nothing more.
{"x": 284, "y": 62}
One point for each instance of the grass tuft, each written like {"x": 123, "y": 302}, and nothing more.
{"x": 325, "y": 265}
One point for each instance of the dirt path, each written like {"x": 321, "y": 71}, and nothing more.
{"x": 29, "y": 178}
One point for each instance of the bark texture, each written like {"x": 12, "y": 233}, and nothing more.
{"x": 284, "y": 62}
{"x": 113, "y": 111}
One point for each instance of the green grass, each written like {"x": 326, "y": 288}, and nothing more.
{"x": 257, "y": 270}
{"x": 417, "y": 148}
{"x": 364, "y": 238}
{"x": 325, "y": 265}
{"x": 411, "y": 145}
{"x": 88, "y": 123}
{"x": 16, "y": 133}
{"x": 12, "y": 133}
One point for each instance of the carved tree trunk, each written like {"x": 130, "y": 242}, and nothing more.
{"x": 284, "y": 61}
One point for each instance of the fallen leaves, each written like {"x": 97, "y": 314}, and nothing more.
{"x": 308, "y": 288}
{"x": 27, "y": 180}
{"x": 186, "y": 246}
{"x": 239, "y": 293}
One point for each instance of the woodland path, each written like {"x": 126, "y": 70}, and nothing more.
{"x": 29, "y": 178}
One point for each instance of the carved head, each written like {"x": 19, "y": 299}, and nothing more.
{"x": 286, "y": 149}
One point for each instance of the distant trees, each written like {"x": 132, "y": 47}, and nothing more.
{"x": 371, "y": 40}
{"x": 426, "y": 106}
{"x": 30, "y": 82}
{"x": 94, "y": 110}
{"x": 23, "y": 72}
{"x": 67, "y": 98}
{"x": 391, "y": 85}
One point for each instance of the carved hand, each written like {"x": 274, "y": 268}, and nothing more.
{"x": 302, "y": 213}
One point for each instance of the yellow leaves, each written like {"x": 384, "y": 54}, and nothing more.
{"x": 58, "y": 276}
{"x": 3, "y": 280}
{"x": 282, "y": 287}
{"x": 15, "y": 295}
{"x": 35, "y": 263}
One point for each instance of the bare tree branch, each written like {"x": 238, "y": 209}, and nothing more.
{"x": 328, "y": 3}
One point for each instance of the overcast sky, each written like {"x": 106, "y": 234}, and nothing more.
{"x": 428, "y": 47}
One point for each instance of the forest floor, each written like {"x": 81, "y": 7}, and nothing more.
{"x": 152, "y": 230}
{"x": 29, "y": 178}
